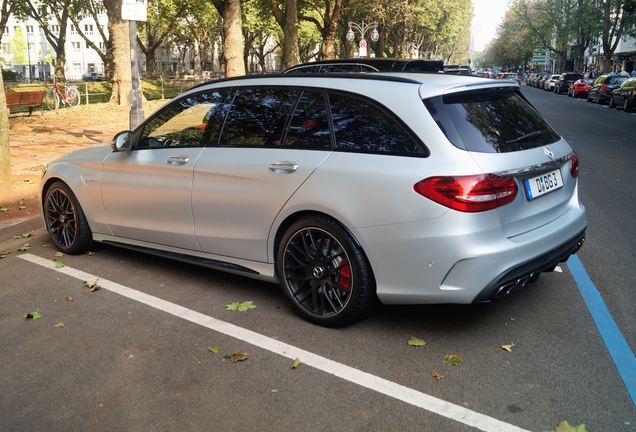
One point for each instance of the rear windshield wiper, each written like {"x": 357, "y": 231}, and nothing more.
{"x": 525, "y": 137}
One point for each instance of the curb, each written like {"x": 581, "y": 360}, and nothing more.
{"x": 31, "y": 223}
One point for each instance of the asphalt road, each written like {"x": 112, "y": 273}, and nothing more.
{"x": 118, "y": 364}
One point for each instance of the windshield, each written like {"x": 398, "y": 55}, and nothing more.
{"x": 490, "y": 121}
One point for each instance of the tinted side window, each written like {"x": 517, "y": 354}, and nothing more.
{"x": 309, "y": 126}
{"x": 258, "y": 117}
{"x": 182, "y": 123}
{"x": 362, "y": 126}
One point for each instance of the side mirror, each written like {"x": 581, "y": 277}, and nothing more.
{"x": 121, "y": 141}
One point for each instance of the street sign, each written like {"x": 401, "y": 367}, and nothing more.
{"x": 540, "y": 56}
{"x": 134, "y": 10}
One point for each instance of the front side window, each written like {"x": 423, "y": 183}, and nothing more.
{"x": 362, "y": 126}
{"x": 258, "y": 117}
{"x": 181, "y": 124}
{"x": 490, "y": 121}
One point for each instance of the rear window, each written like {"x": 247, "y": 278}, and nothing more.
{"x": 490, "y": 121}
{"x": 616, "y": 80}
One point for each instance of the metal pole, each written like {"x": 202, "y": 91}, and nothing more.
{"x": 29, "y": 52}
{"x": 86, "y": 92}
{"x": 136, "y": 110}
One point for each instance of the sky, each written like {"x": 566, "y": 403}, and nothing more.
{"x": 487, "y": 17}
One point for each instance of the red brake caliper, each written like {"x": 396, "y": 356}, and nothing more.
{"x": 344, "y": 271}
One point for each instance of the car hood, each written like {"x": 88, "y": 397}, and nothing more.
{"x": 96, "y": 153}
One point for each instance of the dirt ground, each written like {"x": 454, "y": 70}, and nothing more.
{"x": 38, "y": 139}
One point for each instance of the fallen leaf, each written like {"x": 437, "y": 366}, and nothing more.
{"x": 237, "y": 356}
{"x": 90, "y": 253}
{"x": 564, "y": 426}
{"x": 452, "y": 359}
{"x": 25, "y": 247}
{"x": 69, "y": 298}
{"x": 437, "y": 376}
{"x": 21, "y": 205}
{"x": 59, "y": 254}
{"x": 240, "y": 307}
{"x": 32, "y": 315}
{"x": 27, "y": 180}
{"x": 214, "y": 349}
{"x": 58, "y": 263}
{"x": 59, "y": 325}
{"x": 296, "y": 363}
{"x": 508, "y": 347}
{"x": 23, "y": 235}
{"x": 416, "y": 342}
{"x": 92, "y": 285}
{"x": 274, "y": 390}
{"x": 4, "y": 254}
{"x": 3, "y": 209}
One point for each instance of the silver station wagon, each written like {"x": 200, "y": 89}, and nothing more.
{"x": 345, "y": 188}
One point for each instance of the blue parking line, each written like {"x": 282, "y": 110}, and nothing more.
{"x": 616, "y": 344}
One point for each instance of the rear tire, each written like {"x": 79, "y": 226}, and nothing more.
{"x": 325, "y": 273}
{"x": 626, "y": 106}
{"x": 65, "y": 220}
{"x": 611, "y": 103}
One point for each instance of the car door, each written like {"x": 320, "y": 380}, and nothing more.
{"x": 271, "y": 141}
{"x": 147, "y": 190}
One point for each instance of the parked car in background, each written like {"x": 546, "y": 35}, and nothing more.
{"x": 541, "y": 81}
{"x": 624, "y": 96}
{"x": 344, "y": 188}
{"x": 565, "y": 80}
{"x": 603, "y": 86}
{"x": 550, "y": 82}
{"x": 511, "y": 76}
{"x": 580, "y": 87}
{"x": 93, "y": 76}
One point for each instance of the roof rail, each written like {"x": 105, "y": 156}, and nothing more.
{"x": 351, "y": 75}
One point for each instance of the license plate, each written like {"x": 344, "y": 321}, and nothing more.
{"x": 543, "y": 184}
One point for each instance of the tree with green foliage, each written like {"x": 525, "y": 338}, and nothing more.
{"x": 18, "y": 44}
{"x": 261, "y": 33}
{"x": 82, "y": 9}
{"x": 286, "y": 15}
{"x": 325, "y": 15}
{"x": 44, "y": 11}
{"x": 618, "y": 18}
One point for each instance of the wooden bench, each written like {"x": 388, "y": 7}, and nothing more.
{"x": 28, "y": 99}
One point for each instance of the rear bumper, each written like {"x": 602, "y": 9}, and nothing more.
{"x": 463, "y": 259}
{"x": 520, "y": 275}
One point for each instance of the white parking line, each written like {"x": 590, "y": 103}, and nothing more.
{"x": 356, "y": 376}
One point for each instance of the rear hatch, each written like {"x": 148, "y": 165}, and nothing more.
{"x": 506, "y": 136}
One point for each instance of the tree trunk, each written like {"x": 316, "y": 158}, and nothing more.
{"x": 381, "y": 42}
{"x": 607, "y": 63}
{"x": 329, "y": 46}
{"x": 151, "y": 64}
{"x": 291, "y": 55}
{"x": 233, "y": 38}
{"x": 5, "y": 155}
{"x": 118, "y": 30}
{"x": 60, "y": 58}
{"x": 197, "y": 59}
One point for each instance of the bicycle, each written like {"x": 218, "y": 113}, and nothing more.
{"x": 55, "y": 95}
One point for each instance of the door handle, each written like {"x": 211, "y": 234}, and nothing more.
{"x": 283, "y": 167}
{"x": 177, "y": 160}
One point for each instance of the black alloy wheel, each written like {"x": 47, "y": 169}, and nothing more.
{"x": 325, "y": 273}
{"x": 611, "y": 102}
{"x": 65, "y": 220}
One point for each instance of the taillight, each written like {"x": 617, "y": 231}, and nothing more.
{"x": 603, "y": 89}
{"x": 475, "y": 193}
{"x": 574, "y": 166}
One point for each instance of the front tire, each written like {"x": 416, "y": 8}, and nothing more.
{"x": 73, "y": 97}
{"x": 626, "y": 106}
{"x": 324, "y": 272}
{"x": 611, "y": 102}
{"x": 65, "y": 220}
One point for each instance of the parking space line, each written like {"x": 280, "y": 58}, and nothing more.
{"x": 348, "y": 373}
{"x": 613, "y": 339}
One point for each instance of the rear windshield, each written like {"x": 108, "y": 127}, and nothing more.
{"x": 616, "y": 80}
{"x": 490, "y": 121}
